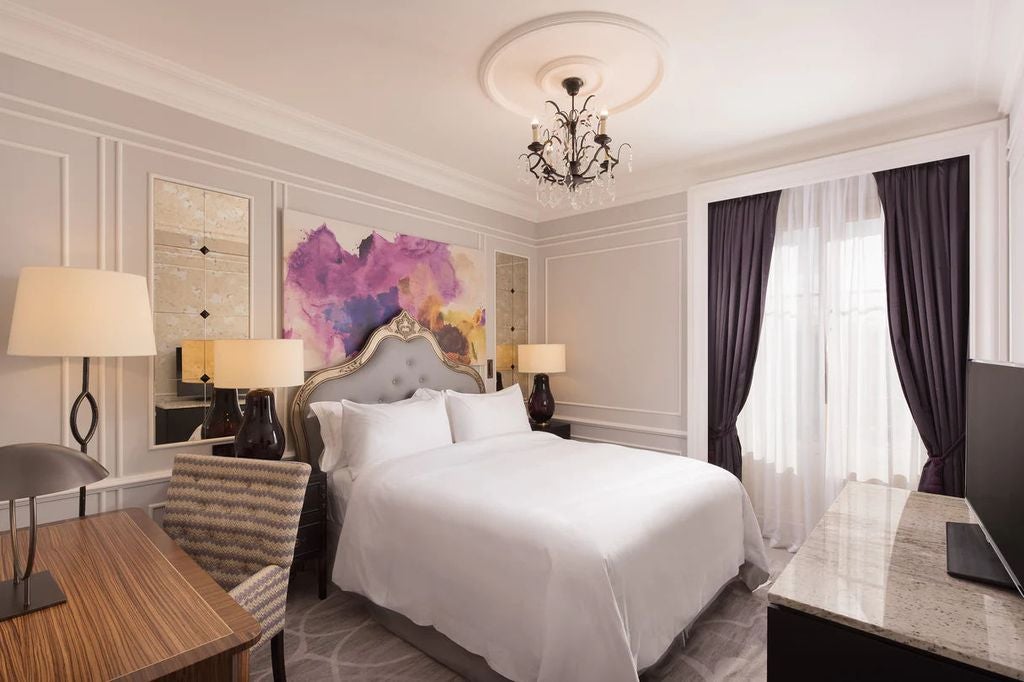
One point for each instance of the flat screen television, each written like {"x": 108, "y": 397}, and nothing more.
{"x": 994, "y": 481}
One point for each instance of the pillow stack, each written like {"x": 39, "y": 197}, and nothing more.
{"x": 360, "y": 435}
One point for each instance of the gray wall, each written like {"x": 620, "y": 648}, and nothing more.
{"x": 613, "y": 287}
{"x": 75, "y": 164}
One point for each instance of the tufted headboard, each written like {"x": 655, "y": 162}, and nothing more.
{"x": 397, "y": 359}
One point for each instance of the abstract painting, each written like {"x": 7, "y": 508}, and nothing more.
{"x": 342, "y": 281}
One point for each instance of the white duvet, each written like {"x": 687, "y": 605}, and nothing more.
{"x": 552, "y": 559}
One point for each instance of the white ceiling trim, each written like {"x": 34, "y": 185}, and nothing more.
{"x": 486, "y": 72}
{"x": 40, "y": 38}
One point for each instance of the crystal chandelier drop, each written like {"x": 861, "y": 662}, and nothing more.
{"x": 572, "y": 158}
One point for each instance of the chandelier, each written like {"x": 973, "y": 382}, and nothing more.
{"x": 573, "y": 157}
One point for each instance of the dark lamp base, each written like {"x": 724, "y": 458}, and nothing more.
{"x": 260, "y": 435}
{"x": 541, "y": 405}
{"x": 222, "y": 416}
{"x": 44, "y": 592}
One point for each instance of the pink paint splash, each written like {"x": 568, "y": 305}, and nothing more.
{"x": 344, "y": 296}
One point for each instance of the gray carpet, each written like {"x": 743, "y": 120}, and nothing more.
{"x": 335, "y": 639}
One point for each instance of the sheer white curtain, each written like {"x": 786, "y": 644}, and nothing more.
{"x": 825, "y": 404}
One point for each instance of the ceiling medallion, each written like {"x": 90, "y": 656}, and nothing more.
{"x": 572, "y": 158}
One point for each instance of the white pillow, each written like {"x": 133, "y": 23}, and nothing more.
{"x": 372, "y": 434}
{"x": 482, "y": 415}
{"x": 329, "y": 414}
{"x": 427, "y": 393}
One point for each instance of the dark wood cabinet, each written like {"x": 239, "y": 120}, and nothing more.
{"x": 805, "y": 647}
{"x": 311, "y": 541}
{"x": 562, "y": 429}
{"x": 176, "y": 425}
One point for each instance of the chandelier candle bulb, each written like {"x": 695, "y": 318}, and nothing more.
{"x": 535, "y": 125}
{"x": 602, "y": 126}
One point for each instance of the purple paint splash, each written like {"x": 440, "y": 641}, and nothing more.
{"x": 344, "y": 296}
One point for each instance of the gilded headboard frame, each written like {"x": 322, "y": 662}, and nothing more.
{"x": 402, "y": 327}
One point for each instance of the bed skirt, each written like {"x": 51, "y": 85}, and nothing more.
{"x": 474, "y": 667}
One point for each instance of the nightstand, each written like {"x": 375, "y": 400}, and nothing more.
{"x": 560, "y": 428}
{"x": 311, "y": 541}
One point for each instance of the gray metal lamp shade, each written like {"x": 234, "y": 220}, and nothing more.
{"x": 33, "y": 469}
{"x": 30, "y": 470}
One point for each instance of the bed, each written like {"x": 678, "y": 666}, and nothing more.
{"x": 525, "y": 556}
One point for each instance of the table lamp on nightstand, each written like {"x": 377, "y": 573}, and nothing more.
{"x": 261, "y": 364}
{"x": 541, "y": 359}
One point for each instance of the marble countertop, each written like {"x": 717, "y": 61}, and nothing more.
{"x": 877, "y": 562}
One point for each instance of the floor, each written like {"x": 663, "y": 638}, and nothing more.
{"x": 335, "y": 639}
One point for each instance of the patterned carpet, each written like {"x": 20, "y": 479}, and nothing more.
{"x": 335, "y": 639}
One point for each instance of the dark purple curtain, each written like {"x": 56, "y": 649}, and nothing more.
{"x": 740, "y": 236}
{"x": 927, "y": 247}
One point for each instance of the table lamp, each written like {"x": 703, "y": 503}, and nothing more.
{"x": 30, "y": 470}
{"x": 262, "y": 364}
{"x": 197, "y": 367}
{"x": 79, "y": 312}
{"x": 541, "y": 359}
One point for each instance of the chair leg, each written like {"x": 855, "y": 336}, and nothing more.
{"x": 277, "y": 656}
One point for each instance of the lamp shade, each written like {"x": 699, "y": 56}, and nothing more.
{"x": 196, "y": 361}
{"x": 77, "y": 312}
{"x": 258, "y": 363}
{"x": 541, "y": 358}
{"x": 33, "y": 469}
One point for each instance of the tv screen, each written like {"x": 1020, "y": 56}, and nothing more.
{"x": 995, "y": 458}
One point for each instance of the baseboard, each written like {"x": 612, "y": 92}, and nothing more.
{"x": 659, "y": 439}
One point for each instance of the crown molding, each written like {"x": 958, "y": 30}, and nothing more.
{"x": 672, "y": 180}
{"x": 33, "y": 36}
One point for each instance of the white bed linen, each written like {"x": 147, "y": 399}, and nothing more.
{"x": 552, "y": 559}
{"x": 339, "y": 487}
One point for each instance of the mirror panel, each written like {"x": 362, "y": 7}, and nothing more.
{"x": 201, "y": 291}
{"x": 512, "y": 315}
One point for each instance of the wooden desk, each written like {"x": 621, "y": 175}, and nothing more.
{"x": 868, "y": 597}
{"x": 138, "y": 608}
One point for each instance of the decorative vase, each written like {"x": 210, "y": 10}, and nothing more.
{"x": 260, "y": 435}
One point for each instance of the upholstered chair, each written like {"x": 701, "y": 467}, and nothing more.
{"x": 238, "y": 519}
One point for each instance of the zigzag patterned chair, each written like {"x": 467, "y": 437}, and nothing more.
{"x": 238, "y": 519}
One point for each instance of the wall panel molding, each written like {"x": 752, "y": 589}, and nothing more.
{"x": 643, "y": 426}
{"x": 151, "y": 485}
{"x": 64, "y": 251}
{"x": 614, "y": 229}
{"x": 623, "y": 426}
{"x": 677, "y": 410}
{"x": 133, "y": 137}
{"x": 590, "y": 439}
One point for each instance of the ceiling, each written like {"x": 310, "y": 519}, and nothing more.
{"x": 740, "y": 75}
